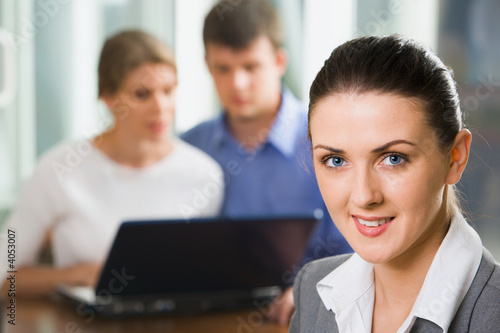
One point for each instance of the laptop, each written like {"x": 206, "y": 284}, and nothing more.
{"x": 179, "y": 267}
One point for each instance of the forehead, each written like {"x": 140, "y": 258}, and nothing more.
{"x": 368, "y": 119}
{"x": 260, "y": 48}
{"x": 150, "y": 75}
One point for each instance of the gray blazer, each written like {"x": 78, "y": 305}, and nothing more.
{"x": 479, "y": 311}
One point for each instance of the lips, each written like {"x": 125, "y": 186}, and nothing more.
{"x": 239, "y": 100}
{"x": 372, "y": 226}
{"x": 157, "y": 126}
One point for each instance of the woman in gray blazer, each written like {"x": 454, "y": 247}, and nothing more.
{"x": 388, "y": 146}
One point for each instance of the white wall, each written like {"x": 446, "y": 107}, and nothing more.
{"x": 327, "y": 24}
{"x": 196, "y": 98}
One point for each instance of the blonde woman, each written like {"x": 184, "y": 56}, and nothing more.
{"x": 80, "y": 192}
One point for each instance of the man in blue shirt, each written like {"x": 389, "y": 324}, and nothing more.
{"x": 260, "y": 139}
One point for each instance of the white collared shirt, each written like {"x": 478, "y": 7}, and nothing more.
{"x": 349, "y": 290}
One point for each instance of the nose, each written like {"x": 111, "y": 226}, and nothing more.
{"x": 366, "y": 192}
{"x": 241, "y": 80}
{"x": 161, "y": 103}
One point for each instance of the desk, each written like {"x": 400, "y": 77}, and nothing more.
{"x": 44, "y": 316}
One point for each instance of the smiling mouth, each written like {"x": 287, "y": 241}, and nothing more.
{"x": 374, "y": 223}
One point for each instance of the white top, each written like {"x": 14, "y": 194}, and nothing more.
{"x": 349, "y": 290}
{"x": 83, "y": 196}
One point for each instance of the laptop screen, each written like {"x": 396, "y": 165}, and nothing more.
{"x": 205, "y": 255}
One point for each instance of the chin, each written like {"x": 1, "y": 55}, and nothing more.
{"x": 374, "y": 259}
{"x": 243, "y": 113}
{"x": 374, "y": 255}
{"x": 156, "y": 137}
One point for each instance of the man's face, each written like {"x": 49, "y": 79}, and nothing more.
{"x": 247, "y": 80}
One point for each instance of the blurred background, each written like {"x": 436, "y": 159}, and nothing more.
{"x": 48, "y": 72}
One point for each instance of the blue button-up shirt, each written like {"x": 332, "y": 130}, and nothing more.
{"x": 276, "y": 178}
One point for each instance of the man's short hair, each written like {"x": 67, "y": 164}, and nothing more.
{"x": 236, "y": 23}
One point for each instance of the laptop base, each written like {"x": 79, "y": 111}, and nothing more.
{"x": 85, "y": 302}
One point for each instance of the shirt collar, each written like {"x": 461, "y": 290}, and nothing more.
{"x": 349, "y": 291}
{"x": 283, "y": 132}
{"x": 338, "y": 292}
{"x": 450, "y": 275}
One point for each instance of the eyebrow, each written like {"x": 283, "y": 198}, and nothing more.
{"x": 376, "y": 150}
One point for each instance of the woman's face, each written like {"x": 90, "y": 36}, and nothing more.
{"x": 145, "y": 103}
{"x": 381, "y": 174}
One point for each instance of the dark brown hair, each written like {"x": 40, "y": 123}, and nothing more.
{"x": 395, "y": 65}
{"x": 236, "y": 23}
{"x": 126, "y": 51}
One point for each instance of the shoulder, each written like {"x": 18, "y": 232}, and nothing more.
{"x": 316, "y": 270}
{"x": 193, "y": 158}
{"x": 55, "y": 153}
{"x": 68, "y": 158}
{"x": 201, "y": 133}
{"x": 42, "y": 197}
{"x": 311, "y": 274}
{"x": 489, "y": 272}
{"x": 64, "y": 155}
{"x": 67, "y": 151}
{"x": 480, "y": 309}
{"x": 495, "y": 278}
{"x": 310, "y": 312}
{"x": 196, "y": 179}
{"x": 191, "y": 152}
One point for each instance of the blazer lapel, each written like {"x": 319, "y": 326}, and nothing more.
{"x": 464, "y": 313}
{"x": 425, "y": 326}
{"x": 463, "y": 316}
{"x": 325, "y": 322}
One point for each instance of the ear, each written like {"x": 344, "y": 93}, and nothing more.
{"x": 281, "y": 60}
{"x": 459, "y": 155}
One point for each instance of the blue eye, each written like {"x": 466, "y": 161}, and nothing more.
{"x": 335, "y": 162}
{"x": 393, "y": 160}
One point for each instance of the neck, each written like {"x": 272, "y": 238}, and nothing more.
{"x": 399, "y": 286}
{"x": 253, "y": 132}
{"x": 398, "y": 282}
{"x": 126, "y": 150}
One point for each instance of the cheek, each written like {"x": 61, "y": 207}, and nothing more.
{"x": 414, "y": 192}
{"x": 125, "y": 114}
{"x": 398, "y": 186}
{"x": 272, "y": 78}
{"x": 334, "y": 189}
{"x": 172, "y": 102}
{"x": 220, "y": 85}
{"x": 136, "y": 114}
